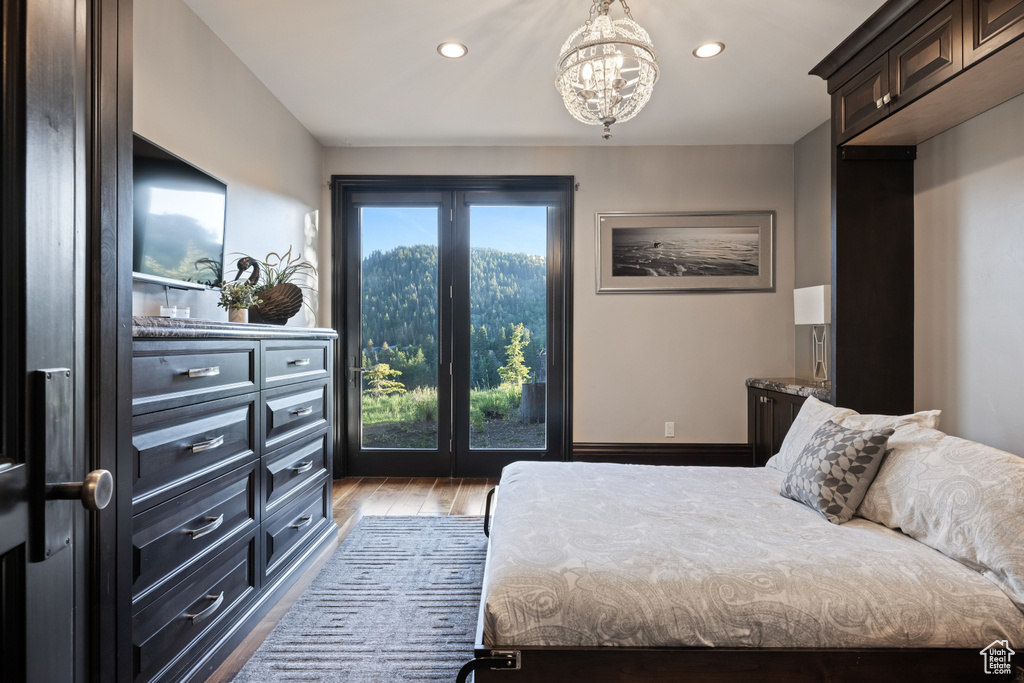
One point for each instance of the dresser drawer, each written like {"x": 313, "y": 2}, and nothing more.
{"x": 180, "y": 533}
{"x": 288, "y": 362}
{"x": 170, "y": 374}
{"x": 176, "y": 449}
{"x": 287, "y": 469}
{"x": 293, "y": 411}
{"x": 163, "y": 632}
{"x": 287, "y": 532}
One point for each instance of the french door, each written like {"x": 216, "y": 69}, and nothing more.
{"x": 454, "y": 319}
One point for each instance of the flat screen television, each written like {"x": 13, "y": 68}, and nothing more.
{"x": 178, "y": 220}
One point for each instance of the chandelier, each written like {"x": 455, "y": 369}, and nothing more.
{"x": 607, "y": 68}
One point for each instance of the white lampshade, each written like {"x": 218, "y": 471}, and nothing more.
{"x": 813, "y": 305}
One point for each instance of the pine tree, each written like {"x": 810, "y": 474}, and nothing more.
{"x": 381, "y": 382}
{"x": 515, "y": 372}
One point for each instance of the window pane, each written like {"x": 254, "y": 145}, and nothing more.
{"x": 508, "y": 326}
{"x": 399, "y": 327}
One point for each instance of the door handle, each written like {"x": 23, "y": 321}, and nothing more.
{"x": 299, "y": 362}
{"x": 95, "y": 492}
{"x": 303, "y": 412}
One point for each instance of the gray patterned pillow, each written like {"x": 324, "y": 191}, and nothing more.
{"x": 835, "y": 469}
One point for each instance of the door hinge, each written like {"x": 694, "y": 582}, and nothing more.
{"x": 451, "y": 291}
{"x": 451, "y": 214}
{"x": 451, "y": 372}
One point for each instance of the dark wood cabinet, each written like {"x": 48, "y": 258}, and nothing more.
{"x": 770, "y": 414}
{"x": 946, "y": 61}
{"x": 915, "y": 70}
{"x": 989, "y": 25}
{"x": 927, "y": 57}
{"x": 863, "y": 101}
{"x": 231, "y": 490}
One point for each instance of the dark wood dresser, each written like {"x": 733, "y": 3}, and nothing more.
{"x": 772, "y": 405}
{"x": 232, "y": 447}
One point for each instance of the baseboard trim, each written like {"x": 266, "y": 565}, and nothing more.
{"x": 700, "y": 454}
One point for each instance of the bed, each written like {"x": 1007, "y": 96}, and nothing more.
{"x": 602, "y": 572}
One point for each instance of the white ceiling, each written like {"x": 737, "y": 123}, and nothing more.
{"x": 368, "y": 73}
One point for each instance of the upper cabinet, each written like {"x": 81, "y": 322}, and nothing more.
{"x": 989, "y": 25}
{"x": 928, "y": 57}
{"x": 885, "y": 79}
{"x": 863, "y": 101}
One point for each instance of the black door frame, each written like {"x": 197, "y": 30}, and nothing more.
{"x": 560, "y": 307}
{"x": 102, "y": 101}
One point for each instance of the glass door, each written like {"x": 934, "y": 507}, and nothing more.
{"x": 397, "y": 341}
{"x": 503, "y": 379}
{"x": 455, "y": 326}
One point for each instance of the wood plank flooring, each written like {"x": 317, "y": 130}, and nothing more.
{"x": 354, "y": 498}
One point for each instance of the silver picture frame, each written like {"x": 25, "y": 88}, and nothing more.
{"x": 684, "y": 251}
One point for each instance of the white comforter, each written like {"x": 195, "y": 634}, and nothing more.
{"x": 622, "y": 555}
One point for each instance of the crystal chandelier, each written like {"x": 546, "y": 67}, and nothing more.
{"x": 607, "y": 69}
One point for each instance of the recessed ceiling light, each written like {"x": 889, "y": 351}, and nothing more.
{"x": 708, "y": 50}
{"x": 452, "y": 50}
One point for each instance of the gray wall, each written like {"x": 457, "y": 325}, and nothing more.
{"x": 969, "y": 277}
{"x": 642, "y": 360}
{"x": 194, "y": 97}
{"x": 812, "y": 233}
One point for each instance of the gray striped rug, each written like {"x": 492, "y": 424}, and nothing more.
{"x": 396, "y": 602}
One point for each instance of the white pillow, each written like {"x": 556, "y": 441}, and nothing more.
{"x": 814, "y": 413}
{"x": 962, "y": 498}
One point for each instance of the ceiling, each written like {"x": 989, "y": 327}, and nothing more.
{"x": 368, "y": 73}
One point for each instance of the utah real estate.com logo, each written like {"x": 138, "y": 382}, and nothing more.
{"x": 997, "y": 657}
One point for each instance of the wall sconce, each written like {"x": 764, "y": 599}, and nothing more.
{"x": 813, "y": 306}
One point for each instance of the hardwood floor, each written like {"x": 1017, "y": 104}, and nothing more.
{"x": 354, "y": 498}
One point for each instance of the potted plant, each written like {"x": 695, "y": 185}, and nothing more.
{"x": 237, "y": 298}
{"x": 276, "y": 279}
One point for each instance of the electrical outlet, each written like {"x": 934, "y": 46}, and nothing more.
{"x": 670, "y": 429}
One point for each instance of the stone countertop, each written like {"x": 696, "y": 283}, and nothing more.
{"x": 795, "y": 386}
{"x": 187, "y": 328}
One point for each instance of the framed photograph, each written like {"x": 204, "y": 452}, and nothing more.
{"x": 686, "y": 252}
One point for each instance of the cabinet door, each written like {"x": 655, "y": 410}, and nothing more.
{"x": 862, "y": 102}
{"x": 760, "y": 422}
{"x": 990, "y": 24}
{"x": 927, "y": 57}
{"x": 784, "y": 410}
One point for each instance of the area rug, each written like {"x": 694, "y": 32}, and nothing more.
{"x": 397, "y": 601}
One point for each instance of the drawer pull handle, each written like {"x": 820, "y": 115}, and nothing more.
{"x": 299, "y": 361}
{"x": 208, "y": 445}
{"x": 218, "y": 600}
{"x": 303, "y": 467}
{"x": 214, "y": 524}
{"x": 303, "y": 521}
{"x": 203, "y": 372}
{"x": 303, "y": 412}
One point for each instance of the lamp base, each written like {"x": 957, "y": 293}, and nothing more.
{"x": 818, "y": 336}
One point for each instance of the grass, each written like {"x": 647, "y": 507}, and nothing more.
{"x": 420, "y": 405}
{"x": 410, "y": 420}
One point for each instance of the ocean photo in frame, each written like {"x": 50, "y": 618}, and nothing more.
{"x": 686, "y": 252}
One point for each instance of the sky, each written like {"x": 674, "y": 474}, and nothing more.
{"x": 518, "y": 229}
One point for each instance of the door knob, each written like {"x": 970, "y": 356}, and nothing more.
{"x": 95, "y": 492}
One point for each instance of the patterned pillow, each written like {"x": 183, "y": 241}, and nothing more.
{"x": 962, "y": 498}
{"x": 834, "y": 470}
{"x": 815, "y": 413}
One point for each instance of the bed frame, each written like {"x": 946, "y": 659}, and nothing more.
{"x": 527, "y": 664}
